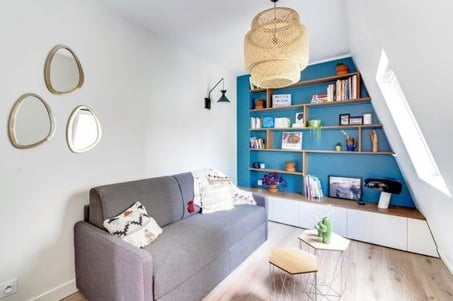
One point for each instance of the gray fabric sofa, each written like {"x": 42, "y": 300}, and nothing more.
{"x": 194, "y": 253}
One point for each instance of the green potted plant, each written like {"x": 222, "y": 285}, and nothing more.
{"x": 315, "y": 127}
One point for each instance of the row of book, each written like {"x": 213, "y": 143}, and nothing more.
{"x": 346, "y": 89}
{"x": 257, "y": 143}
{"x": 312, "y": 187}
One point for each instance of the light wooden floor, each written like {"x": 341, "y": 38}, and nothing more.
{"x": 374, "y": 273}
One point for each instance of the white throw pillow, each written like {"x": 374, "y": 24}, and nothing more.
{"x": 134, "y": 226}
{"x": 216, "y": 197}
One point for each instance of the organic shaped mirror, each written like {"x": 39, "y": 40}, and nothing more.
{"x": 83, "y": 131}
{"x": 63, "y": 72}
{"x": 31, "y": 122}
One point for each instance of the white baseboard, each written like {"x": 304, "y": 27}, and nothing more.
{"x": 58, "y": 292}
{"x": 445, "y": 261}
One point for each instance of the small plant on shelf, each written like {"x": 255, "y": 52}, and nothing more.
{"x": 273, "y": 181}
{"x": 350, "y": 142}
{"x": 315, "y": 127}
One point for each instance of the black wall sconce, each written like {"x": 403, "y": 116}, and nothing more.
{"x": 223, "y": 98}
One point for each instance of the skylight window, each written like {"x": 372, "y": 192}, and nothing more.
{"x": 413, "y": 139}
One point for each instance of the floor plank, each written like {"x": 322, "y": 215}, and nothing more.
{"x": 374, "y": 273}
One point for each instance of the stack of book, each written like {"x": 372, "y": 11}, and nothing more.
{"x": 346, "y": 89}
{"x": 312, "y": 187}
{"x": 257, "y": 143}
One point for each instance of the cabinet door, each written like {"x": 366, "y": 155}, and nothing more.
{"x": 337, "y": 216}
{"x": 419, "y": 238}
{"x": 284, "y": 211}
{"x": 377, "y": 228}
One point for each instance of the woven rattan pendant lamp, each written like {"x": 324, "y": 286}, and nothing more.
{"x": 276, "y": 48}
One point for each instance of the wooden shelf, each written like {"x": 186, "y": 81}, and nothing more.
{"x": 278, "y": 171}
{"x": 369, "y": 207}
{"x": 311, "y": 82}
{"x": 276, "y": 150}
{"x": 333, "y": 103}
{"x": 319, "y": 151}
{"x": 327, "y": 127}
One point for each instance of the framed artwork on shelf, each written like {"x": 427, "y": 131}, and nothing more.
{"x": 355, "y": 120}
{"x": 299, "y": 119}
{"x": 292, "y": 140}
{"x": 343, "y": 119}
{"x": 349, "y": 188}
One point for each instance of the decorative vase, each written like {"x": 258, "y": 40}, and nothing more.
{"x": 350, "y": 144}
{"x": 272, "y": 188}
{"x": 290, "y": 166}
{"x": 324, "y": 228}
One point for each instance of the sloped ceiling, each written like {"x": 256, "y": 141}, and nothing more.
{"x": 215, "y": 29}
{"x": 416, "y": 36}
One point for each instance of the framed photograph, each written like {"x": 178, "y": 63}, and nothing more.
{"x": 292, "y": 140}
{"x": 348, "y": 188}
{"x": 343, "y": 119}
{"x": 300, "y": 119}
{"x": 355, "y": 120}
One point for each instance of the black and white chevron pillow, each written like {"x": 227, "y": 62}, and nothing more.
{"x": 127, "y": 222}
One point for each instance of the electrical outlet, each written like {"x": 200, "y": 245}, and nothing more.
{"x": 8, "y": 288}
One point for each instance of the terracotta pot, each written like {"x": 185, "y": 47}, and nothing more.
{"x": 259, "y": 104}
{"x": 290, "y": 166}
{"x": 342, "y": 69}
{"x": 272, "y": 188}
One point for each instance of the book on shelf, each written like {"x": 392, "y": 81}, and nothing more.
{"x": 312, "y": 187}
{"x": 257, "y": 143}
{"x": 255, "y": 122}
{"x": 344, "y": 89}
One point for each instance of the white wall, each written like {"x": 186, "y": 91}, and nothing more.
{"x": 417, "y": 39}
{"x": 149, "y": 99}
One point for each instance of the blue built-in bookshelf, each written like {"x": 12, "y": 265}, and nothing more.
{"x": 316, "y": 157}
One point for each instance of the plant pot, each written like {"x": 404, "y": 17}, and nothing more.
{"x": 342, "y": 69}
{"x": 350, "y": 144}
{"x": 272, "y": 188}
{"x": 338, "y": 148}
{"x": 259, "y": 104}
{"x": 290, "y": 166}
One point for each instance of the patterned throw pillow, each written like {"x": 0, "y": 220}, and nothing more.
{"x": 216, "y": 197}
{"x": 134, "y": 226}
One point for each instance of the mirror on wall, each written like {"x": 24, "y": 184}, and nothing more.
{"x": 83, "y": 131}
{"x": 31, "y": 122}
{"x": 63, "y": 72}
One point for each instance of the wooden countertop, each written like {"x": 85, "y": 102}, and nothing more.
{"x": 369, "y": 207}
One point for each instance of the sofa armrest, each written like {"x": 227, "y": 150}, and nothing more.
{"x": 107, "y": 268}
{"x": 260, "y": 200}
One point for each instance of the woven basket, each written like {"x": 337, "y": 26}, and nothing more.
{"x": 276, "y": 48}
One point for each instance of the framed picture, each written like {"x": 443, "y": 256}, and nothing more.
{"x": 343, "y": 119}
{"x": 349, "y": 188}
{"x": 300, "y": 119}
{"x": 355, "y": 120}
{"x": 292, "y": 140}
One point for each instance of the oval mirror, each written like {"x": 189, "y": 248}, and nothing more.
{"x": 63, "y": 72}
{"x": 83, "y": 131}
{"x": 31, "y": 122}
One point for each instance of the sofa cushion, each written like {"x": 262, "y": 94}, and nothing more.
{"x": 186, "y": 246}
{"x": 161, "y": 196}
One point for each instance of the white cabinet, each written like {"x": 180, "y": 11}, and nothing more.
{"x": 419, "y": 238}
{"x": 284, "y": 211}
{"x": 381, "y": 229}
{"x": 337, "y": 216}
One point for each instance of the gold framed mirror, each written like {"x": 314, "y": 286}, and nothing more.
{"x": 31, "y": 122}
{"x": 83, "y": 131}
{"x": 63, "y": 72}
